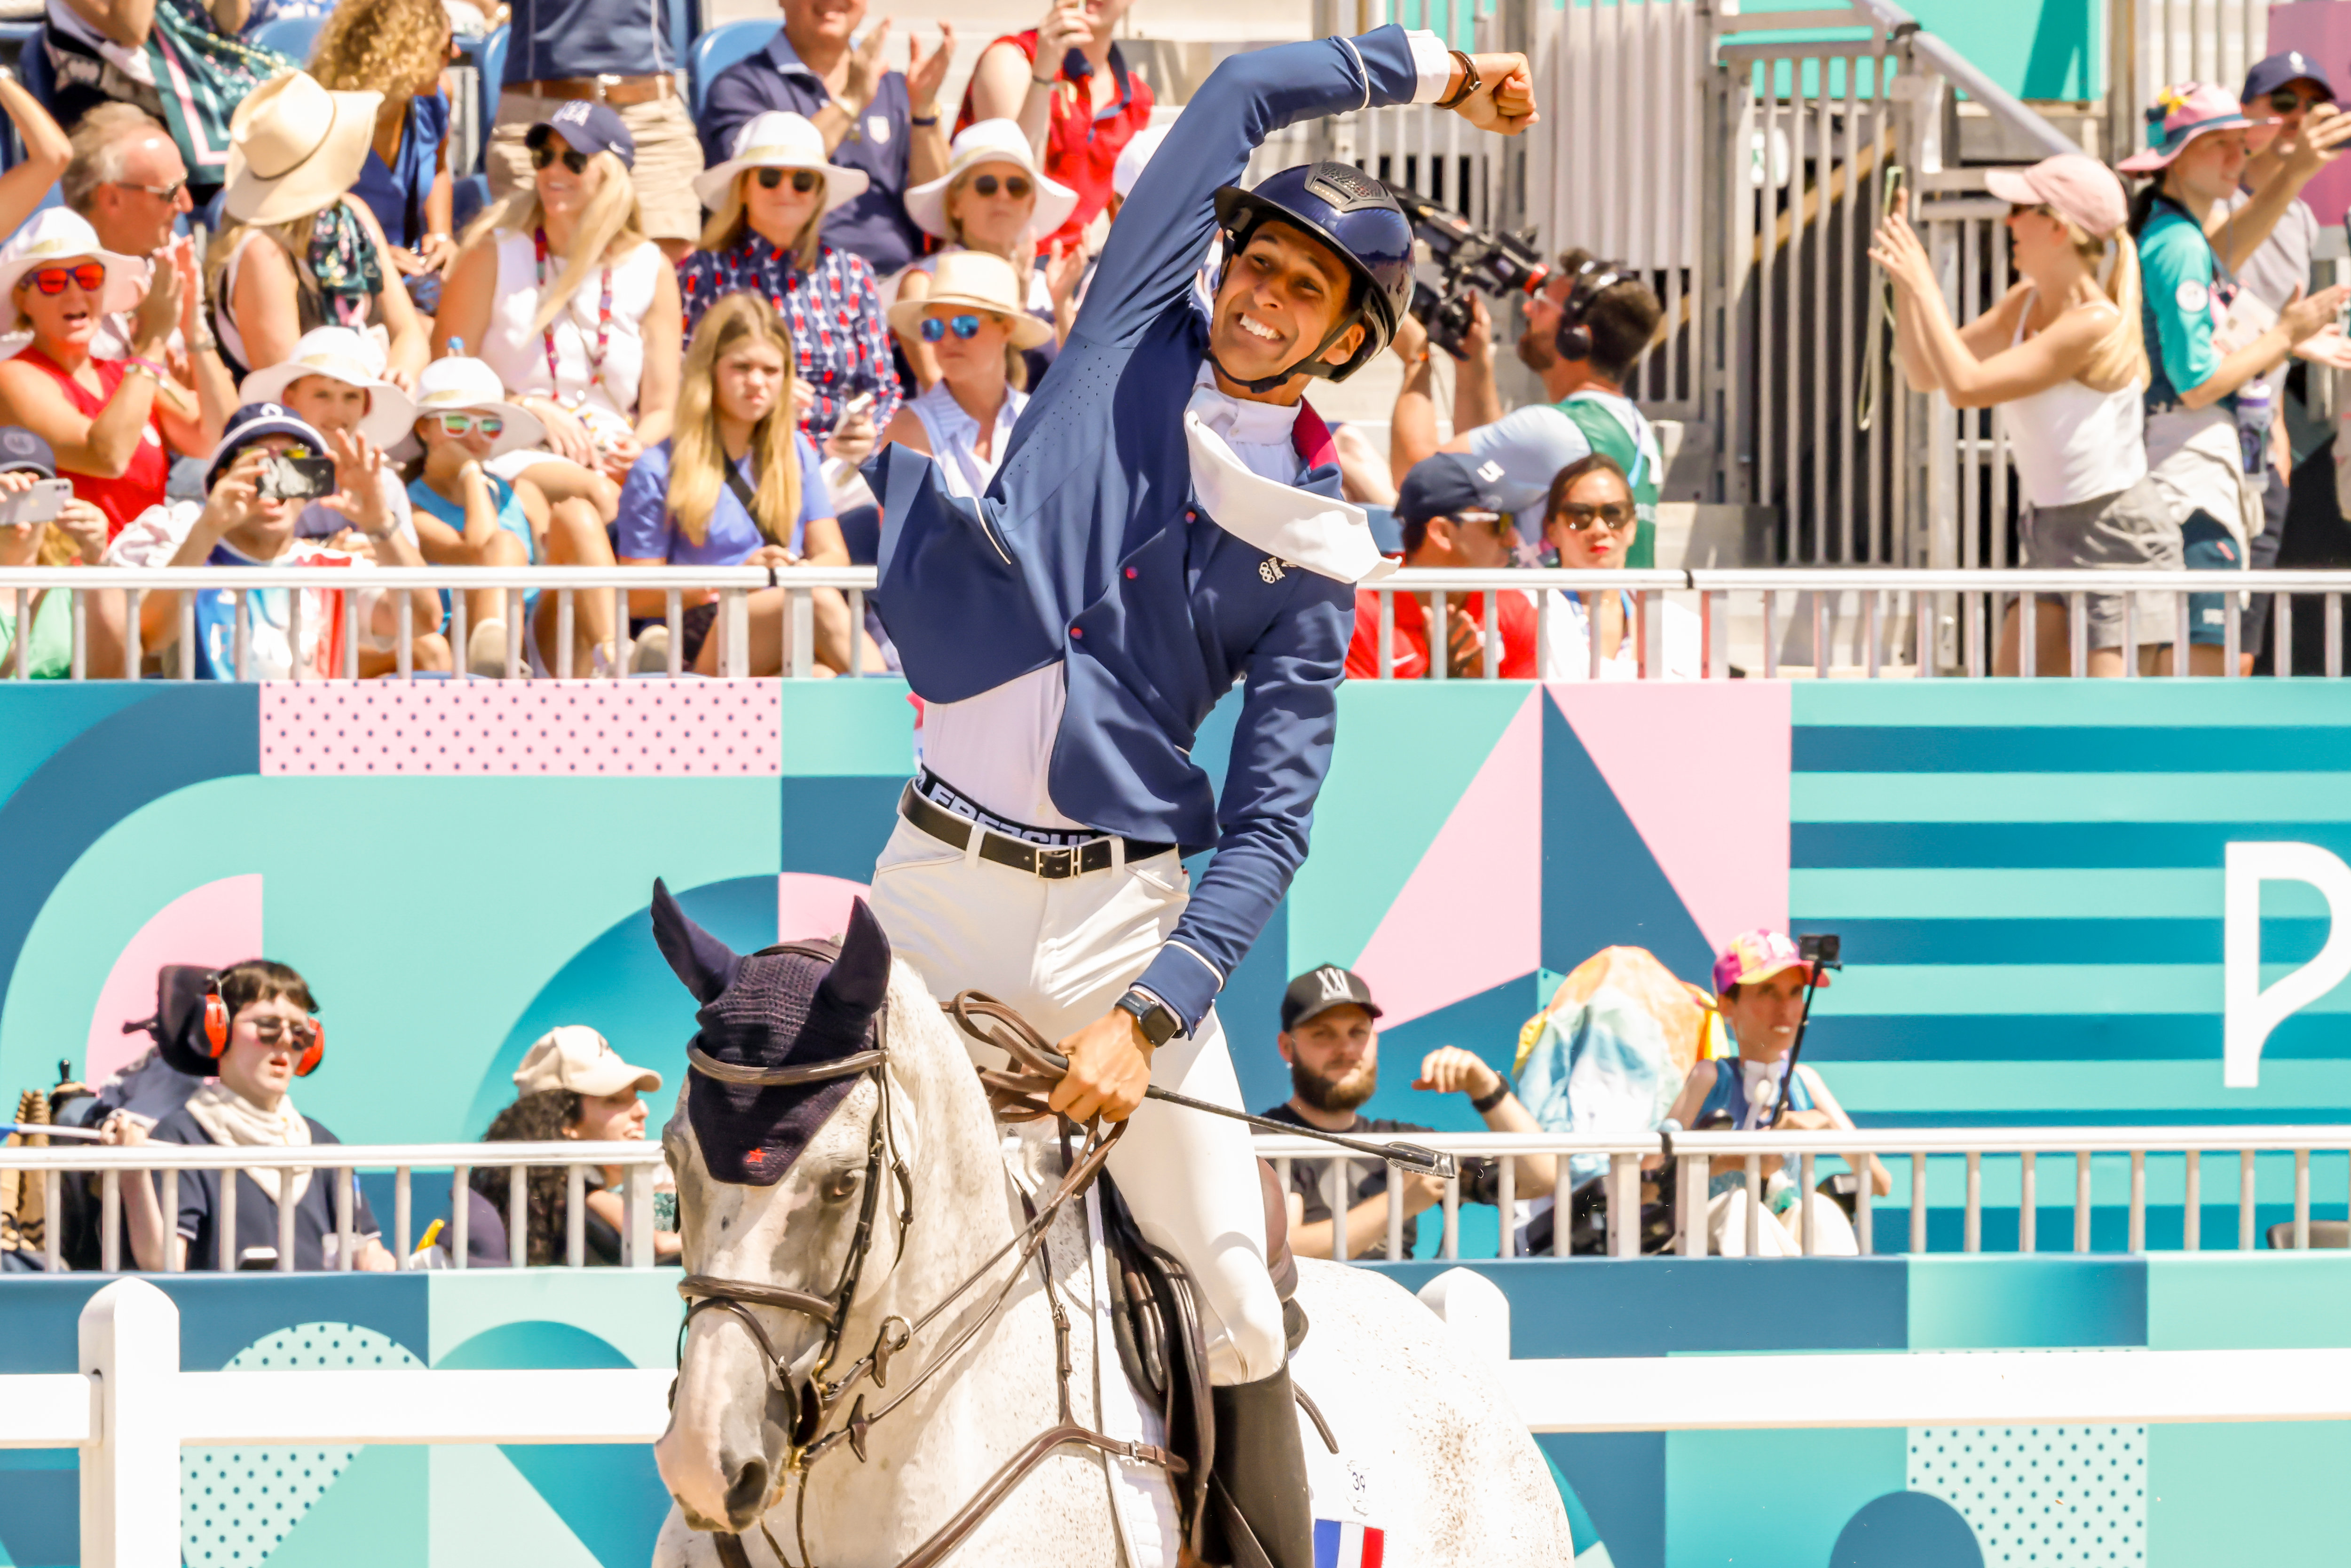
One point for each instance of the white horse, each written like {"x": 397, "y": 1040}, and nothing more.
{"x": 1429, "y": 1453}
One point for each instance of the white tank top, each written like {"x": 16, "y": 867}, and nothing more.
{"x": 607, "y": 401}
{"x": 953, "y": 432}
{"x": 2071, "y": 442}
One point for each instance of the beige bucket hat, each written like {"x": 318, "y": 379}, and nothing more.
{"x": 979, "y": 281}
{"x": 294, "y": 147}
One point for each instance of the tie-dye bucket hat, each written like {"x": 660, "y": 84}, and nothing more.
{"x": 2182, "y": 113}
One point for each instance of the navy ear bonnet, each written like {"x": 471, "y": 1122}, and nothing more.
{"x": 795, "y": 1005}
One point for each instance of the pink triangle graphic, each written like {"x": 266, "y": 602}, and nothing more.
{"x": 217, "y": 924}
{"x": 1471, "y": 916}
{"x": 1701, "y": 768}
{"x": 807, "y": 904}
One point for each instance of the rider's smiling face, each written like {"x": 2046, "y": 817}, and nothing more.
{"x": 1278, "y": 298}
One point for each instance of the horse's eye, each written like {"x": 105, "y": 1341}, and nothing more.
{"x": 843, "y": 1185}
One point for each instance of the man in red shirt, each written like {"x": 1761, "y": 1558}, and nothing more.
{"x": 1452, "y": 514}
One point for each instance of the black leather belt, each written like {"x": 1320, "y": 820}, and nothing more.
{"x": 1037, "y": 859}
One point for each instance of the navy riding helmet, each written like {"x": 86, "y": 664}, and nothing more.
{"x": 1359, "y": 219}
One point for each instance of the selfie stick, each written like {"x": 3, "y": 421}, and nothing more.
{"x": 1813, "y": 968}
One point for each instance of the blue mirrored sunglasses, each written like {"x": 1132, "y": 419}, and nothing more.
{"x": 936, "y": 328}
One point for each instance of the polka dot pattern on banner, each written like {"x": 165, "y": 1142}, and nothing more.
{"x": 238, "y": 1504}
{"x": 2040, "y": 1497}
{"x": 538, "y": 728}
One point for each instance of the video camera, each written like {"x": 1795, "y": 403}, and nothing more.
{"x": 1469, "y": 257}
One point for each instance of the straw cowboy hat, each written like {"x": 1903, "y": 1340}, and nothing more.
{"x": 780, "y": 139}
{"x": 294, "y": 147}
{"x": 991, "y": 141}
{"x": 59, "y": 235}
{"x": 343, "y": 355}
{"x": 457, "y": 385}
{"x": 977, "y": 281}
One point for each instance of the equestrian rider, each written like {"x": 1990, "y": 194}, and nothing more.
{"x": 1166, "y": 520}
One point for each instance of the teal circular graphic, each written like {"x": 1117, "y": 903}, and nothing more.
{"x": 1906, "y": 1530}
{"x": 238, "y": 1504}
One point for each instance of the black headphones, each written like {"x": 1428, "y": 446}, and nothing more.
{"x": 1593, "y": 278}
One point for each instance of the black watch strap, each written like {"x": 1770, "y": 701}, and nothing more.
{"x": 1157, "y": 1020}
{"x": 1501, "y": 1092}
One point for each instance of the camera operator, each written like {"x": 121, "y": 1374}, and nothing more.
{"x": 249, "y": 519}
{"x": 1587, "y": 328}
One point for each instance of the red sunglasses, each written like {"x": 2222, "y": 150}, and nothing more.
{"x": 91, "y": 275}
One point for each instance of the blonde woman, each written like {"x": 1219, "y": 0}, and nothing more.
{"x": 994, "y": 198}
{"x": 298, "y": 252}
{"x": 737, "y": 485}
{"x": 769, "y": 204}
{"x": 401, "y": 46}
{"x": 559, "y": 291}
{"x": 973, "y": 324}
{"x": 2063, "y": 350}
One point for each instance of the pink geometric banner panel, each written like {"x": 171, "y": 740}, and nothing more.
{"x": 1471, "y": 916}
{"x": 542, "y": 728}
{"x": 215, "y": 925}
{"x": 808, "y": 904}
{"x": 1701, "y": 768}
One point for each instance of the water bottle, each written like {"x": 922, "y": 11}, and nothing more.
{"x": 2253, "y": 424}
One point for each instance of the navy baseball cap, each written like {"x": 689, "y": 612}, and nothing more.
{"x": 22, "y": 451}
{"x": 250, "y": 423}
{"x": 1319, "y": 990}
{"x": 1447, "y": 484}
{"x": 2268, "y": 76}
{"x": 588, "y": 127}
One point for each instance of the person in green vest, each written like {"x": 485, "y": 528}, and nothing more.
{"x": 1585, "y": 330}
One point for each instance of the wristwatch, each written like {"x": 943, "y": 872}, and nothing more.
{"x": 1157, "y": 1020}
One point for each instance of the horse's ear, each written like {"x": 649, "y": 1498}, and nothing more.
{"x": 706, "y": 965}
{"x": 859, "y": 978}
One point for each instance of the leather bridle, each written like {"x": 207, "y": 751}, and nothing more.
{"x": 1016, "y": 1094}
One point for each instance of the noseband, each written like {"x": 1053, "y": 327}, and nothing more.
{"x": 815, "y": 1396}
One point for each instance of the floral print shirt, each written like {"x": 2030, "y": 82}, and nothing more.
{"x": 835, "y": 312}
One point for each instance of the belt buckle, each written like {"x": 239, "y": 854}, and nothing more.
{"x": 1056, "y": 864}
{"x": 604, "y": 83}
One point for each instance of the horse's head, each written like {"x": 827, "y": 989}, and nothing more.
{"x": 773, "y": 1183}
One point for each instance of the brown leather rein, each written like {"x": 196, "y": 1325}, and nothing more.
{"x": 1018, "y": 1094}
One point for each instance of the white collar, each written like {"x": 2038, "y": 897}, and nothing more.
{"x": 1243, "y": 422}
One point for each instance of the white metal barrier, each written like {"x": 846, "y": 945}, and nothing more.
{"x": 128, "y": 1408}
{"x": 1625, "y": 1161}
{"x": 161, "y": 1163}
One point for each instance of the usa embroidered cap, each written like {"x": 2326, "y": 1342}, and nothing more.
{"x": 1758, "y": 954}
{"x": 1319, "y": 990}
{"x": 2268, "y": 76}
{"x": 22, "y": 451}
{"x": 1450, "y": 484}
{"x": 587, "y": 129}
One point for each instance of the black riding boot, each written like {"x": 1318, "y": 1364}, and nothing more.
{"x": 1259, "y": 1478}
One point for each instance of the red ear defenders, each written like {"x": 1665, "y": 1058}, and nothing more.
{"x": 1573, "y": 339}
{"x": 217, "y": 1022}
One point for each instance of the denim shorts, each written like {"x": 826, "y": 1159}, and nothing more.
{"x": 2206, "y": 546}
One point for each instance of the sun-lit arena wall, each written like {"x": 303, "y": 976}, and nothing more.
{"x": 2029, "y": 880}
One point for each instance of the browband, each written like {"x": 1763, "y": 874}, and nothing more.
{"x": 781, "y": 1077}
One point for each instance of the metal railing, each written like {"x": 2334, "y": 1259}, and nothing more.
{"x": 1914, "y": 1151}
{"x": 642, "y": 1161}
{"x": 1864, "y": 621}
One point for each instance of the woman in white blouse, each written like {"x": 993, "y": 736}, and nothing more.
{"x": 972, "y": 322}
{"x": 1589, "y": 519}
{"x": 559, "y": 291}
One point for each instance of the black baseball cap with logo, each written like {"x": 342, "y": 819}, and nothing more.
{"x": 1319, "y": 990}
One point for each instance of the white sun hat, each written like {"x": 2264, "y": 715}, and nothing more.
{"x": 991, "y": 141}
{"x": 1133, "y": 157}
{"x": 347, "y": 356}
{"x": 780, "y": 139}
{"x": 59, "y": 235}
{"x": 458, "y": 385}
{"x": 294, "y": 148}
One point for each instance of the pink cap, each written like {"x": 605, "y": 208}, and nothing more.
{"x": 1758, "y": 954}
{"x": 2073, "y": 185}
{"x": 2181, "y": 115}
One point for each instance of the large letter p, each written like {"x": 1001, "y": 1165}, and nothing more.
{"x": 2250, "y": 1012}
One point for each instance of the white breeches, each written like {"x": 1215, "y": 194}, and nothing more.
{"x": 1777, "y": 1236}
{"x": 1062, "y": 953}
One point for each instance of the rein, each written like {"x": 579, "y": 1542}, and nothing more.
{"x": 1016, "y": 1095}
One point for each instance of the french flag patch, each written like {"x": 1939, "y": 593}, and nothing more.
{"x": 1349, "y": 1545}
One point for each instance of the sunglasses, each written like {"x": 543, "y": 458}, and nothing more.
{"x": 467, "y": 424}
{"x": 1580, "y": 515}
{"x": 544, "y": 152}
{"x": 803, "y": 180}
{"x": 170, "y": 192}
{"x": 2285, "y": 101}
{"x": 934, "y": 328}
{"x": 91, "y": 275}
{"x": 271, "y": 1030}
{"x": 1016, "y": 187}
